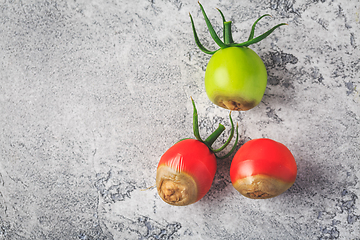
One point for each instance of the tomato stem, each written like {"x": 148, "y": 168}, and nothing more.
{"x": 227, "y": 33}
{"x": 212, "y": 138}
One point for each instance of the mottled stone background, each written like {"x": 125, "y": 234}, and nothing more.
{"x": 92, "y": 93}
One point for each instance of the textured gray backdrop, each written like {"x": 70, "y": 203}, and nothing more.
{"x": 92, "y": 93}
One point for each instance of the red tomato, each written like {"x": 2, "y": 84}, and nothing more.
{"x": 263, "y": 168}
{"x": 185, "y": 172}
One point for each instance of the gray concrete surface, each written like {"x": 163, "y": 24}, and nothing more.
{"x": 92, "y": 93}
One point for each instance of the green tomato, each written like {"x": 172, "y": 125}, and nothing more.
{"x": 235, "y": 78}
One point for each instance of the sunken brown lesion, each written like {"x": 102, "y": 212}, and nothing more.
{"x": 172, "y": 192}
{"x": 261, "y": 186}
{"x": 236, "y": 104}
{"x": 175, "y": 188}
{"x": 259, "y": 195}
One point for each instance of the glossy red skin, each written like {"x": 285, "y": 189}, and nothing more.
{"x": 263, "y": 156}
{"x": 194, "y": 158}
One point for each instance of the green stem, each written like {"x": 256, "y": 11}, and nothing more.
{"x": 227, "y": 33}
{"x": 211, "y": 139}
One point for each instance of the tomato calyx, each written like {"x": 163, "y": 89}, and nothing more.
{"x": 227, "y": 35}
{"x": 186, "y": 170}
{"x": 212, "y": 138}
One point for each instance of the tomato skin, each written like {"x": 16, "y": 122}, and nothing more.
{"x": 235, "y": 78}
{"x": 191, "y": 164}
{"x": 263, "y": 162}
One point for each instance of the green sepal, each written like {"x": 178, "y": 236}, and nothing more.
{"x": 223, "y": 20}
{"x": 195, "y": 122}
{"x": 257, "y": 39}
{"x": 211, "y": 30}
{"x": 197, "y": 41}
{"x": 234, "y": 147}
{"x": 253, "y": 26}
{"x": 229, "y": 139}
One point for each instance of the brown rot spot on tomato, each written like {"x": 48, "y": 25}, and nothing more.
{"x": 236, "y": 105}
{"x": 171, "y": 191}
{"x": 175, "y": 188}
{"x": 259, "y": 195}
{"x": 261, "y": 186}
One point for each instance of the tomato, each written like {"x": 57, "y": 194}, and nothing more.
{"x": 235, "y": 76}
{"x": 186, "y": 170}
{"x": 263, "y": 168}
